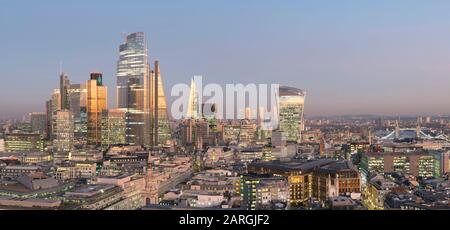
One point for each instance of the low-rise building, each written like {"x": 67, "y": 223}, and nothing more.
{"x": 14, "y": 171}
{"x": 93, "y": 197}
{"x": 132, "y": 187}
{"x": 415, "y": 163}
{"x": 261, "y": 191}
{"x": 299, "y": 175}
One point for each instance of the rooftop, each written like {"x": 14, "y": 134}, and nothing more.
{"x": 294, "y": 165}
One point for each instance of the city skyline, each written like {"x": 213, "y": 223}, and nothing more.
{"x": 395, "y": 63}
{"x": 249, "y": 106}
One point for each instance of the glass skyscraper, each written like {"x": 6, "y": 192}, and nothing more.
{"x": 132, "y": 69}
{"x": 291, "y": 106}
{"x": 63, "y": 131}
{"x": 96, "y": 103}
{"x": 158, "y": 129}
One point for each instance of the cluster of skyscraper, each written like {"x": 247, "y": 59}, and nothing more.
{"x": 78, "y": 115}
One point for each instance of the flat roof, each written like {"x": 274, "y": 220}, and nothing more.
{"x": 336, "y": 167}
{"x": 295, "y": 165}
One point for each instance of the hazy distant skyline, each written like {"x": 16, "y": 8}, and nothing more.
{"x": 352, "y": 57}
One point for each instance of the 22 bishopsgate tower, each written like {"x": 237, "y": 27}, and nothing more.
{"x": 140, "y": 94}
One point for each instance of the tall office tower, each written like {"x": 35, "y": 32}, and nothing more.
{"x": 49, "y": 120}
{"x": 157, "y": 128}
{"x": 38, "y": 122}
{"x": 63, "y": 134}
{"x": 96, "y": 103}
{"x": 193, "y": 106}
{"x": 53, "y": 105}
{"x": 64, "y": 85}
{"x": 248, "y": 113}
{"x": 291, "y": 106}
{"x": 113, "y": 127}
{"x": 132, "y": 69}
{"x": 2, "y": 144}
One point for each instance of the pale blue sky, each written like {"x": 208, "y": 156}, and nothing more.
{"x": 353, "y": 57}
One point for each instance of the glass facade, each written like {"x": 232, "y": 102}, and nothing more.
{"x": 64, "y": 132}
{"x": 401, "y": 164}
{"x": 291, "y": 106}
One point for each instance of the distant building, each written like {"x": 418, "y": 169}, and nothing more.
{"x": 157, "y": 127}
{"x": 38, "y": 122}
{"x": 260, "y": 191}
{"x": 193, "y": 110}
{"x": 291, "y": 112}
{"x": 416, "y": 163}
